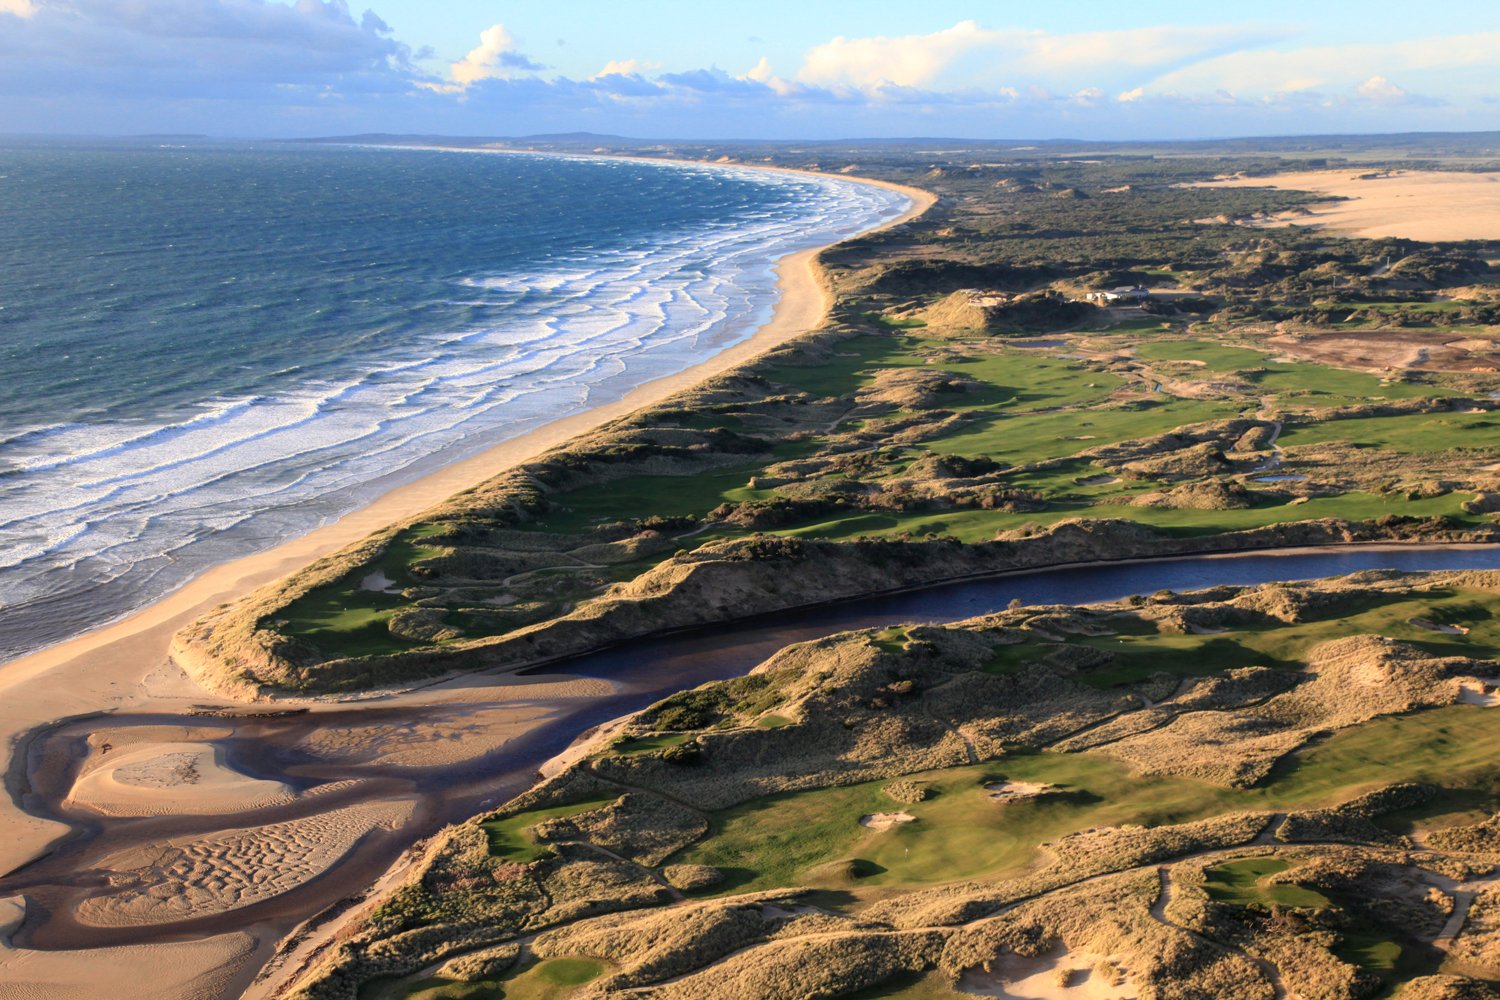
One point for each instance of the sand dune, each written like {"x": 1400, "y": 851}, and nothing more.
{"x": 1412, "y": 204}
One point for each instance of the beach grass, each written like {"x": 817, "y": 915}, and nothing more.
{"x": 1030, "y": 410}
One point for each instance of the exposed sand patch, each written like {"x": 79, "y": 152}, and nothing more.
{"x": 1413, "y": 204}
{"x": 584, "y": 745}
{"x": 1015, "y": 791}
{"x": 1057, "y": 975}
{"x": 166, "y": 778}
{"x": 1473, "y": 691}
{"x": 1432, "y": 626}
{"x": 885, "y": 821}
{"x": 180, "y": 880}
{"x": 1384, "y": 350}
{"x": 179, "y": 970}
{"x": 1100, "y": 480}
{"x": 378, "y": 582}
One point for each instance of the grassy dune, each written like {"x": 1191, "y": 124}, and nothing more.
{"x": 1032, "y": 412}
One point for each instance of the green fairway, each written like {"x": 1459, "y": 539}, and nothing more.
{"x": 645, "y": 744}
{"x": 644, "y": 496}
{"x": 1030, "y": 407}
{"x": 1246, "y": 883}
{"x": 1410, "y": 434}
{"x": 1036, "y": 436}
{"x": 1291, "y": 377}
{"x": 982, "y": 525}
{"x": 510, "y": 839}
{"x": 961, "y": 833}
{"x": 549, "y": 979}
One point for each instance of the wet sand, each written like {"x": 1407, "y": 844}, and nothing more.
{"x": 296, "y": 810}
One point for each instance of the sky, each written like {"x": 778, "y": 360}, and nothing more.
{"x": 766, "y": 69}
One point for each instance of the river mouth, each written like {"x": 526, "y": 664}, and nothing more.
{"x": 281, "y": 816}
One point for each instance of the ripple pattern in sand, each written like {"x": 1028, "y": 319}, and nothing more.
{"x": 231, "y": 868}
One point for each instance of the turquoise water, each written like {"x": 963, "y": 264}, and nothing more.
{"x": 206, "y": 350}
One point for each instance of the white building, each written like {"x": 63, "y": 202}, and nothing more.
{"x": 1125, "y": 293}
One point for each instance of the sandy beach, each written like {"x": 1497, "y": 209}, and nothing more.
{"x": 1432, "y": 205}
{"x": 124, "y": 667}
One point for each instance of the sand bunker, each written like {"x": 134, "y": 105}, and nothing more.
{"x": 170, "y": 778}
{"x": 1432, "y": 626}
{"x": 1473, "y": 691}
{"x": 884, "y": 821}
{"x": 182, "y": 880}
{"x": 1057, "y": 975}
{"x": 1412, "y": 204}
{"x": 379, "y": 583}
{"x": 1015, "y": 791}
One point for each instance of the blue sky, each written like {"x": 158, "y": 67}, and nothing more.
{"x": 763, "y": 69}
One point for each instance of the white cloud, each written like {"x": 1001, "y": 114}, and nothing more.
{"x": 907, "y": 61}
{"x": 969, "y": 54}
{"x": 626, "y": 67}
{"x": 18, "y": 8}
{"x": 762, "y": 73}
{"x": 1336, "y": 67}
{"x": 1380, "y": 90}
{"x": 494, "y": 58}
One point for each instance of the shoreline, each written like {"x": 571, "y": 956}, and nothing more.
{"x": 130, "y": 654}
{"x": 801, "y": 303}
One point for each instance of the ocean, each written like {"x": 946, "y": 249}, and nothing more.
{"x": 207, "y": 349}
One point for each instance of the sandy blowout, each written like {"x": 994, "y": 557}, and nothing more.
{"x": 1058, "y": 975}
{"x": 1429, "y": 205}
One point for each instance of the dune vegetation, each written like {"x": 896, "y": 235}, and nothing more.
{"x": 1077, "y": 792}
{"x": 962, "y": 389}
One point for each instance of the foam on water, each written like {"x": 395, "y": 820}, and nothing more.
{"x": 106, "y": 511}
